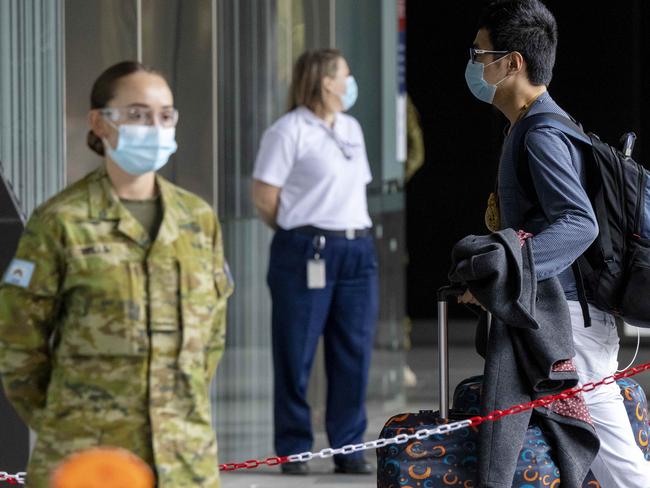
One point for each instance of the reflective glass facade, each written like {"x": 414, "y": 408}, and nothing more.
{"x": 229, "y": 65}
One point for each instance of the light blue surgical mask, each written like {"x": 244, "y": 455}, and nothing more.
{"x": 351, "y": 93}
{"x": 142, "y": 148}
{"x": 480, "y": 88}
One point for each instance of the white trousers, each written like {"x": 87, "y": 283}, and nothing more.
{"x": 620, "y": 463}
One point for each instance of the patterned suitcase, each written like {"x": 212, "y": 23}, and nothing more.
{"x": 636, "y": 404}
{"x": 452, "y": 459}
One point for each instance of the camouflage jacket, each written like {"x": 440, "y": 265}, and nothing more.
{"x": 107, "y": 338}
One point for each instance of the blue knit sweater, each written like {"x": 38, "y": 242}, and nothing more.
{"x": 564, "y": 224}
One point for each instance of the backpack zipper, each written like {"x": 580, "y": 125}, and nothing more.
{"x": 640, "y": 200}
{"x": 620, "y": 183}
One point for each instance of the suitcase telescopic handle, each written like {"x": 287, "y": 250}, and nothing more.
{"x": 444, "y": 294}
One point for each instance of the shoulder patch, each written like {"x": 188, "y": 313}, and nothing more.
{"x": 19, "y": 273}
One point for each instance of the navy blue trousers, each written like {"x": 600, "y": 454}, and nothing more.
{"x": 344, "y": 313}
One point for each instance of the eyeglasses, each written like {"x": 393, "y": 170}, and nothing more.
{"x": 141, "y": 115}
{"x": 473, "y": 52}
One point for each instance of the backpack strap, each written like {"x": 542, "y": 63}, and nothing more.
{"x": 582, "y": 293}
{"x": 572, "y": 129}
{"x": 564, "y": 124}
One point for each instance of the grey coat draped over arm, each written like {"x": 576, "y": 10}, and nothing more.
{"x": 530, "y": 336}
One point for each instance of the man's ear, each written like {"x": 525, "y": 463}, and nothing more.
{"x": 516, "y": 63}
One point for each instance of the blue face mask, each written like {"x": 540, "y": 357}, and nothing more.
{"x": 480, "y": 88}
{"x": 351, "y": 93}
{"x": 142, "y": 148}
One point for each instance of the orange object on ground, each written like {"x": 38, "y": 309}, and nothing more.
{"x": 103, "y": 467}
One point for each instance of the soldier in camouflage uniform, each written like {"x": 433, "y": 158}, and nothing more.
{"x": 111, "y": 337}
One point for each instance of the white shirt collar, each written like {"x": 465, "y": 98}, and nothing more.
{"x": 312, "y": 119}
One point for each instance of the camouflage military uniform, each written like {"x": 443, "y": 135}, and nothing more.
{"x": 109, "y": 339}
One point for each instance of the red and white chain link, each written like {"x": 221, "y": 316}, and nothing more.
{"x": 441, "y": 429}
{"x": 571, "y": 392}
{"x": 19, "y": 478}
{"x": 399, "y": 439}
{"x": 254, "y": 463}
{"x": 13, "y": 479}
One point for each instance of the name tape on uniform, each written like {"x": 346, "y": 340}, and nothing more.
{"x": 19, "y": 273}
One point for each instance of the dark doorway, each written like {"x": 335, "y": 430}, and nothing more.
{"x": 601, "y": 77}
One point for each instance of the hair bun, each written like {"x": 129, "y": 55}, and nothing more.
{"x": 95, "y": 143}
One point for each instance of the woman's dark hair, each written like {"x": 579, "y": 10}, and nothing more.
{"x": 525, "y": 26}
{"x": 308, "y": 73}
{"x": 103, "y": 92}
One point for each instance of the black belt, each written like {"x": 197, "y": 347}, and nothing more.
{"x": 348, "y": 234}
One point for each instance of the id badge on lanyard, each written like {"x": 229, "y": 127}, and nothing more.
{"x": 316, "y": 275}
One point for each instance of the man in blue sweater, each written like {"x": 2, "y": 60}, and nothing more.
{"x": 510, "y": 67}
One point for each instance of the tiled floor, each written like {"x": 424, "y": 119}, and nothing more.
{"x": 464, "y": 362}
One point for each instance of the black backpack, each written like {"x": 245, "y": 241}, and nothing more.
{"x": 614, "y": 273}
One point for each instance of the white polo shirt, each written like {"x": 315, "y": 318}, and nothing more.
{"x": 323, "y": 171}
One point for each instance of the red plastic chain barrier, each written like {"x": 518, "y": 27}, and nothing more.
{"x": 13, "y": 479}
{"x": 253, "y": 463}
{"x": 474, "y": 421}
{"x": 571, "y": 392}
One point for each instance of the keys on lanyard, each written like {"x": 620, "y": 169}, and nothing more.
{"x": 316, "y": 277}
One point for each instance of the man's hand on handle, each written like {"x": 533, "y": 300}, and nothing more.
{"x": 467, "y": 298}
